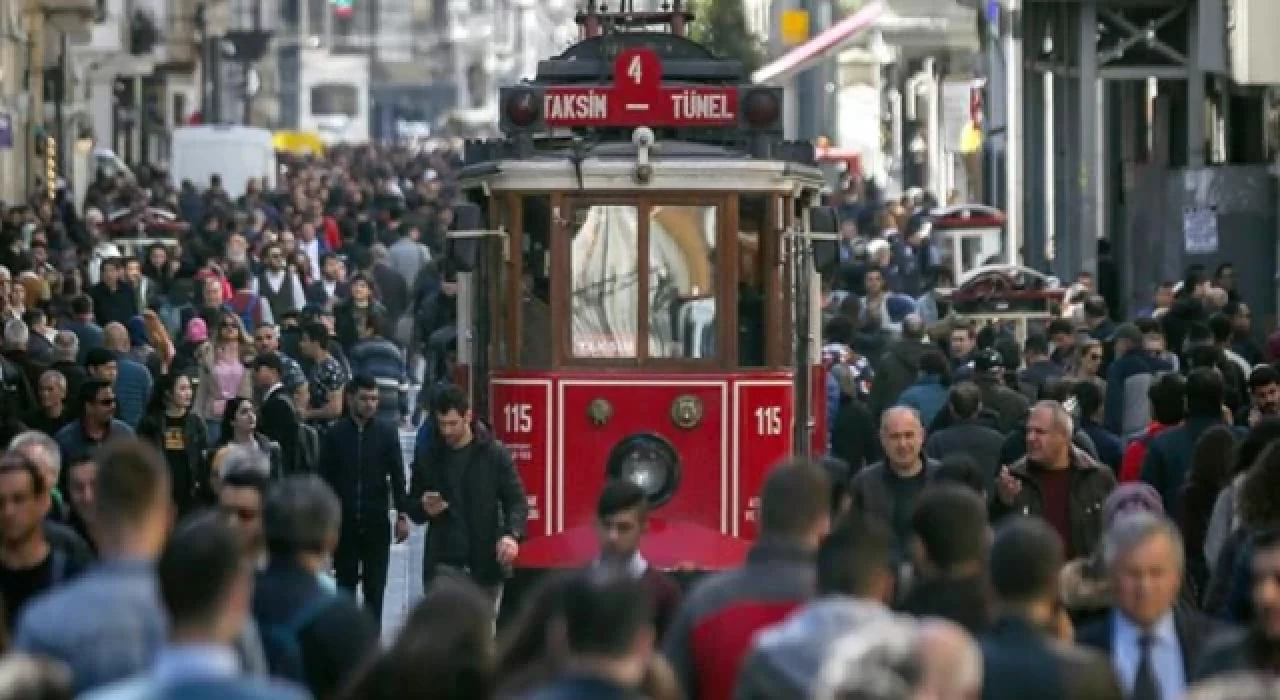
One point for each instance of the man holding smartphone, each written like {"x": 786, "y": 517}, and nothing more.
{"x": 466, "y": 485}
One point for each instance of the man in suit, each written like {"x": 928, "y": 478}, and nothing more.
{"x": 279, "y": 418}
{"x": 1021, "y": 658}
{"x": 205, "y": 584}
{"x": 1152, "y": 644}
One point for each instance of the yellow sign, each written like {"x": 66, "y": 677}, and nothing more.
{"x": 795, "y": 27}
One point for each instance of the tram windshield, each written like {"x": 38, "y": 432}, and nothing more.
{"x": 644, "y": 272}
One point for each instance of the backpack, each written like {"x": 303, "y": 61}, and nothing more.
{"x": 280, "y": 640}
{"x": 251, "y": 312}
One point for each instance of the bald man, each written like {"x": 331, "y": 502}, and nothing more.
{"x": 888, "y": 490}
{"x": 1056, "y": 481}
{"x": 133, "y": 380}
{"x": 951, "y": 661}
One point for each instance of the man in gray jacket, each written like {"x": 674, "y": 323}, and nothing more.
{"x": 855, "y": 581}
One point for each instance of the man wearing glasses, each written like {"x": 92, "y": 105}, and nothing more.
{"x": 97, "y": 424}
{"x": 277, "y": 283}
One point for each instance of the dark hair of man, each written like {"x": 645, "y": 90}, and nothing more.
{"x": 620, "y": 496}
{"x": 133, "y": 480}
{"x": 1055, "y": 389}
{"x": 197, "y": 568}
{"x": 16, "y": 462}
{"x": 97, "y": 357}
{"x": 1036, "y": 345}
{"x": 1168, "y": 396}
{"x": 316, "y": 332}
{"x": 362, "y": 382}
{"x": 608, "y": 611}
{"x": 962, "y": 469}
{"x": 935, "y": 363}
{"x": 1207, "y": 356}
{"x": 951, "y": 522}
{"x": 258, "y": 480}
{"x": 1262, "y": 376}
{"x": 269, "y": 361}
{"x": 1025, "y": 560}
{"x": 300, "y": 514}
{"x": 239, "y": 278}
{"x": 1060, "y": 326}
{"x": 1095, "y": 307}
{"x": 796, "y": 496}
{"x": 964, "y": 400}
{"x": 1088, "y": 395}
{"x": 1220, "y": 326}
{"x": 1148, "y": 326}
{"x": 450, "y": 398}
{"x": 840, "y": 329}
{"x": 32, "y": 317}
{"x": 1265, "y": 539}
{"x": 82, "y": 305}
{"x": 850, "y": 559}
{"x": 90, "y": 389}
{"x": 1204, "y": 393}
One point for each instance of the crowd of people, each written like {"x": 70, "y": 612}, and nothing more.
{"x": 204, "y": 478}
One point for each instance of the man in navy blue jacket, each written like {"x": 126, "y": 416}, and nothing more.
{"x": 362, "y": 462}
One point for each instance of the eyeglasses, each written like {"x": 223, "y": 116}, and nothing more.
{"x": 109, "y": 401}
{"x": 1095, "y": 356}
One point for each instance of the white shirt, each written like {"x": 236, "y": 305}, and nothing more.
{"x": 312, "y": 249}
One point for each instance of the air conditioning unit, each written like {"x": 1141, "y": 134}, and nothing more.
{"x": 1255, "y": 53}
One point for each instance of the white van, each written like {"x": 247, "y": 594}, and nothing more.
{"x": 237, "y": 153}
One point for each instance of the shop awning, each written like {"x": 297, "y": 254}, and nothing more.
{"x": 807, "y": 54}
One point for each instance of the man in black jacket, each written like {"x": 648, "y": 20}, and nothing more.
{"x": 360, "y": 455}
{"x": 467, "y": 487}
{"x": 1021, "y": 659}
{"x": 279, "y": 418}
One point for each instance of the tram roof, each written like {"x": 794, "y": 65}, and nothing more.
{"x": 677, "y": 165}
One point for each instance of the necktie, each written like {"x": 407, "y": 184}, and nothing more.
{"x": 1145, "y": 685}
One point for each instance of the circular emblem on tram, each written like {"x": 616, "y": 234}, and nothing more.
{"x": 599, "y": 411}
{"x": 686, "y": 411}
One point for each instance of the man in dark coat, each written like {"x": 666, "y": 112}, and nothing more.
{"x": 1143, "y": 553}
{"x": 967, "y": 435}
{"x": 899, "y": 367}
{"x": 467, "y": 487}
{"x": 1021, "y": 658}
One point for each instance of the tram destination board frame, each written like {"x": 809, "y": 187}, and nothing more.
{"x": 638, "y": 97}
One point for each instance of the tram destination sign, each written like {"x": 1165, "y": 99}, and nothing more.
{"x": 637, "y": 97}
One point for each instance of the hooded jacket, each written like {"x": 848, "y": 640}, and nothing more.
{"x": 787, "y": 659}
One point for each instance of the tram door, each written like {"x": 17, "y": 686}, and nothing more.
{"x": 477, "y": 255}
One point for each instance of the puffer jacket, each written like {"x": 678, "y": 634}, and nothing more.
{"x": 382, "y": 359}
{"x": 1091, "y": 483}
{"x": 787, "y": 659}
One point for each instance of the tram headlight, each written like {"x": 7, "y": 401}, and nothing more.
{"x": 521, "y": 108}
{"x": 762, "y": 107}
{"x": 649, "y": 462}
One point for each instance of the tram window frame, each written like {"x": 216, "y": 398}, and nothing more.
{"x": 565, "y": 209}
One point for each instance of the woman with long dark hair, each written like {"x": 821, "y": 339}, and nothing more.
{"x": 1211, "y": 465}
{"x": 181, "y": 435}
{"x": 239, "y": 427}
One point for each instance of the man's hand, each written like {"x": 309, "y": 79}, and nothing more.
{"x": 402, "y": 528}
{"x": 433, "y": 503}
{"x": 508, "y": 548}
{"x": 1008, "y": 487}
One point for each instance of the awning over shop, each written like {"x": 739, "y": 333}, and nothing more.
{"x": 812, "y": 51}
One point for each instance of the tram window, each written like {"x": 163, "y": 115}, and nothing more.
{"x": 535, "y": 296}
{"x": 753, "y": 212}
{"x": 605, "y": 281}
{"x": 682, "y": 281}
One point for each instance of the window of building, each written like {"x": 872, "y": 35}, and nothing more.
{"x": 335, "y": 100}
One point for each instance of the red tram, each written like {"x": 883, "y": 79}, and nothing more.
{"x": 637, "y": 290}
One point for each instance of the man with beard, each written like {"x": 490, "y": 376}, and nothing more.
{"x": 29, "y": 564}
{"x": 1264, "y": 390}
{"x": 277, "y": 283}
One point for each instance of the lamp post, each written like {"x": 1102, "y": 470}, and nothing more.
{"x": 1011, "y": 47}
